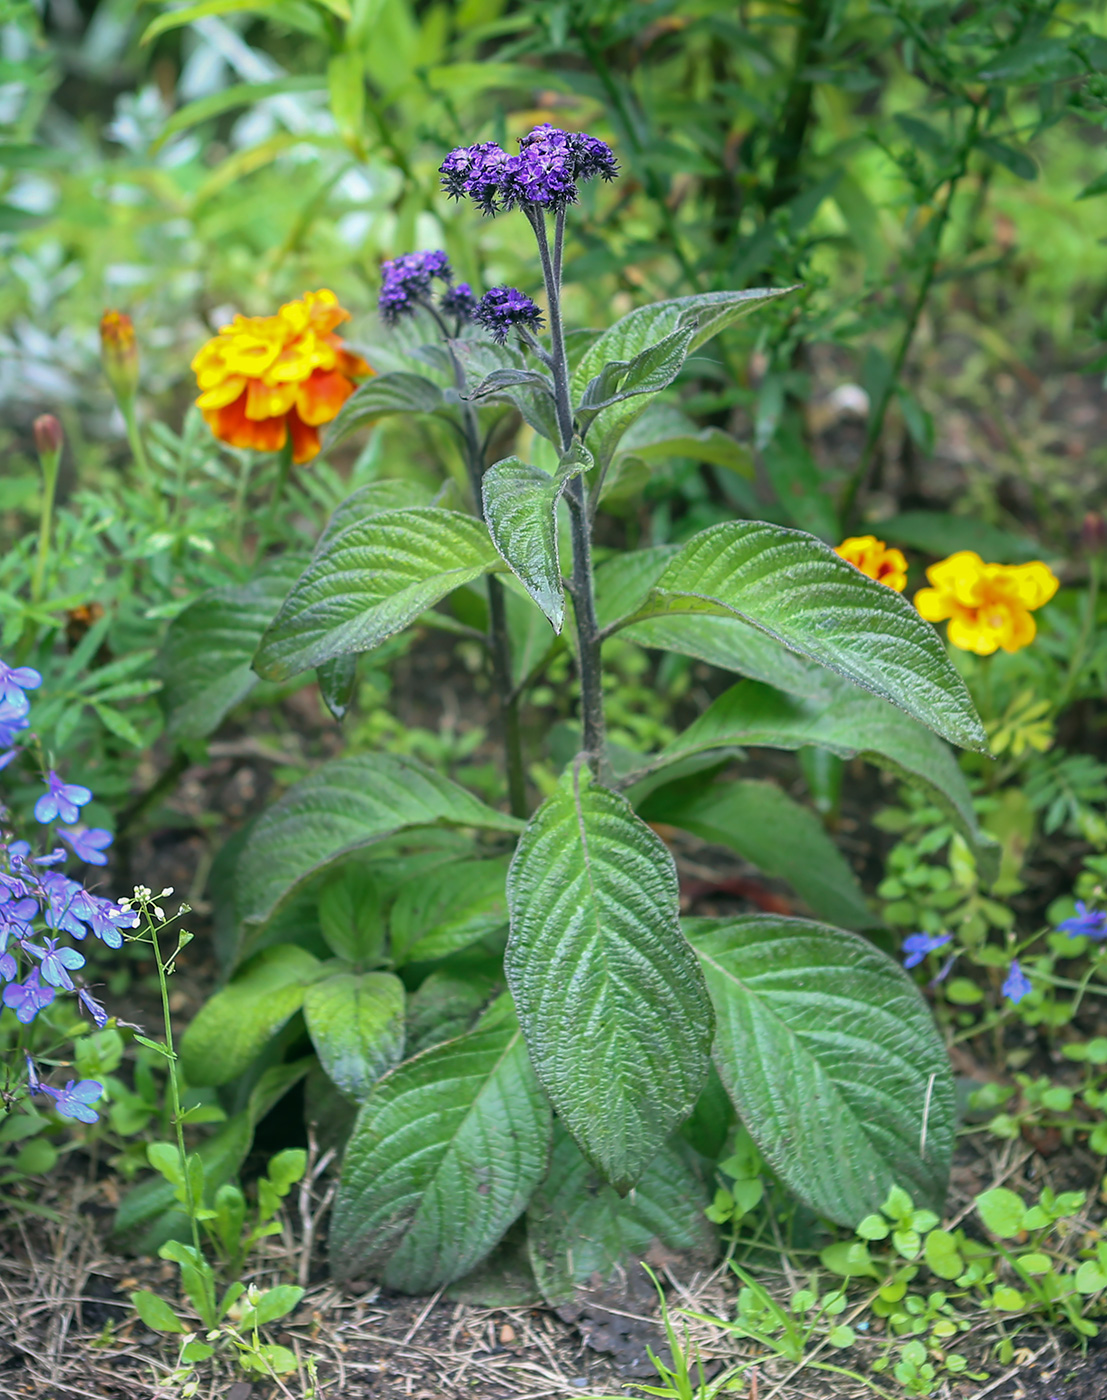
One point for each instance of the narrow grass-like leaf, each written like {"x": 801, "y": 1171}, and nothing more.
{"x": 446, "y": 1153}
{"x": 832, "y": 1059}
{"x": 850, "y": 723}
{"x": 520, "y": 506}
{"x": 772, "y": 831}
{"x": 796, "y": 589}
{"x": 356, "y": 1023}
{"x": 346, "y": 804}
{"x": 371, "y": 581}
{"x": 579, "y": 1228}
{"x": 614, "y": 1009}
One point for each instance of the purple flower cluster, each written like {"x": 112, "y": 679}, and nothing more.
{"x": 502, "y": 309}
{"x": 550, "y": 165}
{"x": 38, "y": 903}
{"x": 406, "y": 284}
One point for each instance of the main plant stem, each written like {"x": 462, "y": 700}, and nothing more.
{"x": 581, "y": 585}
{"x": 499, "y": 639}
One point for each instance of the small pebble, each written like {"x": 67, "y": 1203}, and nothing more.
{"x": 507, "y": 1334}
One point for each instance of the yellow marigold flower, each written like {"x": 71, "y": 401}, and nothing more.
{"x": 988, "y": 605}
{"x": 265, "y": 377}
{"x": 873, "y": 557}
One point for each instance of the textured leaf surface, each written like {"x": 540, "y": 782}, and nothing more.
{"x": 445, "y": 1155}
{"x": 616, "y": 1016}
{"x": 206, "y": 659}
{"x": 448, "y": 909}
{"x": 356, "y": 1023}
{"x": 663, "y": 432}
{"x": 796, "y": 589}
{"x": 371, "y": 499}
{"x": 371, "y": 581}
{"x": 346, "y": 804}
{"x": 848, "y": 724}
{"x": 351, "y": 917}
{"x": 763, "y": 824}
{"x": 520, "y": 506}
{"x": 398, "y": 392}
{"x": 578, "y": 1226}
{"x": 232, "y": 1027}
{"x": 832, "y": 1059}
{"x": 654, "y": 367}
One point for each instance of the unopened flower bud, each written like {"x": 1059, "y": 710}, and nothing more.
{"x": 1093, "y": 533}
{"x": 119, "y": 354}
{"x": 48, "y": 435}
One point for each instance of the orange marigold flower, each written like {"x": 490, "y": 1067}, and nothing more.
{"x": 119, "y": 353}
{"x": 988, "y": 605}
{"x": 263, "y": 378}
{"x": 873, "y": 557}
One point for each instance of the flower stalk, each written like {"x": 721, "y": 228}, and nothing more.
{"x": 48, "y": 442}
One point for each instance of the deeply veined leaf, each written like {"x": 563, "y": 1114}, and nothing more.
{"x": 762, "y": 823}
{"x": 232, "y": 1028}
{"x": 449, "y": 908}
{"x": 371, "y": 499}
{"x": 446, "y": 1153}
{"x": 848, "y": 723}
{"x": 351, "y": 915}
{"x": 398, "y": 392}
{"x": 578, "y": 1227}
{"x": 651, "y": 370}
{"x": 796, "y": 589}
{"x": 356, "y": 1023}
{"x": 664, "y": 431}
{"x": 346, "y": 804}
{"x": 520, "y": 506}
{"x": 369, "y": 582}
{"x": 832, "y": 1059}
{"x": 206, "y": 659}
{"x": 710, "y": 312}
{"x": 609, "y": 996}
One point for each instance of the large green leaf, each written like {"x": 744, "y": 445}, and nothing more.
{"x": 356, "y": 1023}
{"x": 615, "y": 1013}
{"x": 448, "y": 909}
{"x": 664, "y": 431}
{"x": 445, "y": 1155}
{"x": 231, "y": 1028}
{"x": 369, "y": 582}
{"x": 520, "y": 506}
{"x": 578, "y": 1227}
{"x": 796, "y": 589}
{"x": 763, "y": 824}
{"x": 650, "y": 370}
{"x": 346, "y": 804}
{"x": 832, "y": 1059}
{"x": 709, "y": 312}
{"x": 205, "y": 661}
{"x": 398, "y": 392}
{"x": 371, "y": 499}
{"x": 848, "y": 723}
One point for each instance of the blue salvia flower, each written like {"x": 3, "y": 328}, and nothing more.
{"x": 14, "y": 681}
{"x": 1085, "y": 923}
{"x": 1017, "y": 984}
{"x": 60, "y": 800}
{"x": 503, "y": 309}
{"x": 88, "y": 843}
{"x": 27, "y": 998}
{"x": 917, "y": 945}
{"x": 76, "y": 1099}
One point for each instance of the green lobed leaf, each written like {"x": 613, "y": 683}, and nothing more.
{"x": 398, "y": 392}
{"x": 356, "y": 1023}
{"x": 772, "y": 831}
{"x": 848, "y": 723}
{"x": 232, "y": 1027}
{"x": 797, "y": 590}
{"x": 205, "y": 662}
{"x": 613, "y": 1006}
{"x": 520, "y": 507}
{"x": 579, "y": 1229}
{"x": 446, "y": 1153}
{"x": 448, "y": 909}
{"x": 832, "y": 1059}
{"x": 371, "y": 580}
{"x": 344, "y": 805}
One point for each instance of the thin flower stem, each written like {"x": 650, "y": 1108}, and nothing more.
{"x": 49, "y": 485}
{"x": 134, "y": 438}
{"x": 581, "y": 584}
{"x": 284, "y": 469}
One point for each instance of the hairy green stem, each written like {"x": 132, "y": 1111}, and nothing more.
{"x": 134, "y": 438}
{"x": 49, "y": 462}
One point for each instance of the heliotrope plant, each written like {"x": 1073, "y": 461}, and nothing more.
{"x": 511, "y": 1002}
{"x": 42, "y": 909}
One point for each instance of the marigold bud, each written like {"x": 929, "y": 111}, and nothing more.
{"x": 1093, "y": 533}
{"x": 119, "y": 354}
{"x": 48, "y": 435}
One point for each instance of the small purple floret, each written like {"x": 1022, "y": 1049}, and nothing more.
{"x": 57, "y": 963}
{"x": 94, "y": 1009}
{"x": 14, "y": 680}
{"x": 76, "y": 1099}
{"x": 917, "y": 945}
{"x": 407, "y": 278}
{"x": 28, "y": 998}
{"x": 502, "y": 309}
{"x": 458, "y": 301}
{"x": 1085, "y": 923}
{"x": 88, "y": 843}
{"x": 1017, "y": 984}
{"x": 62, "y": 800}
